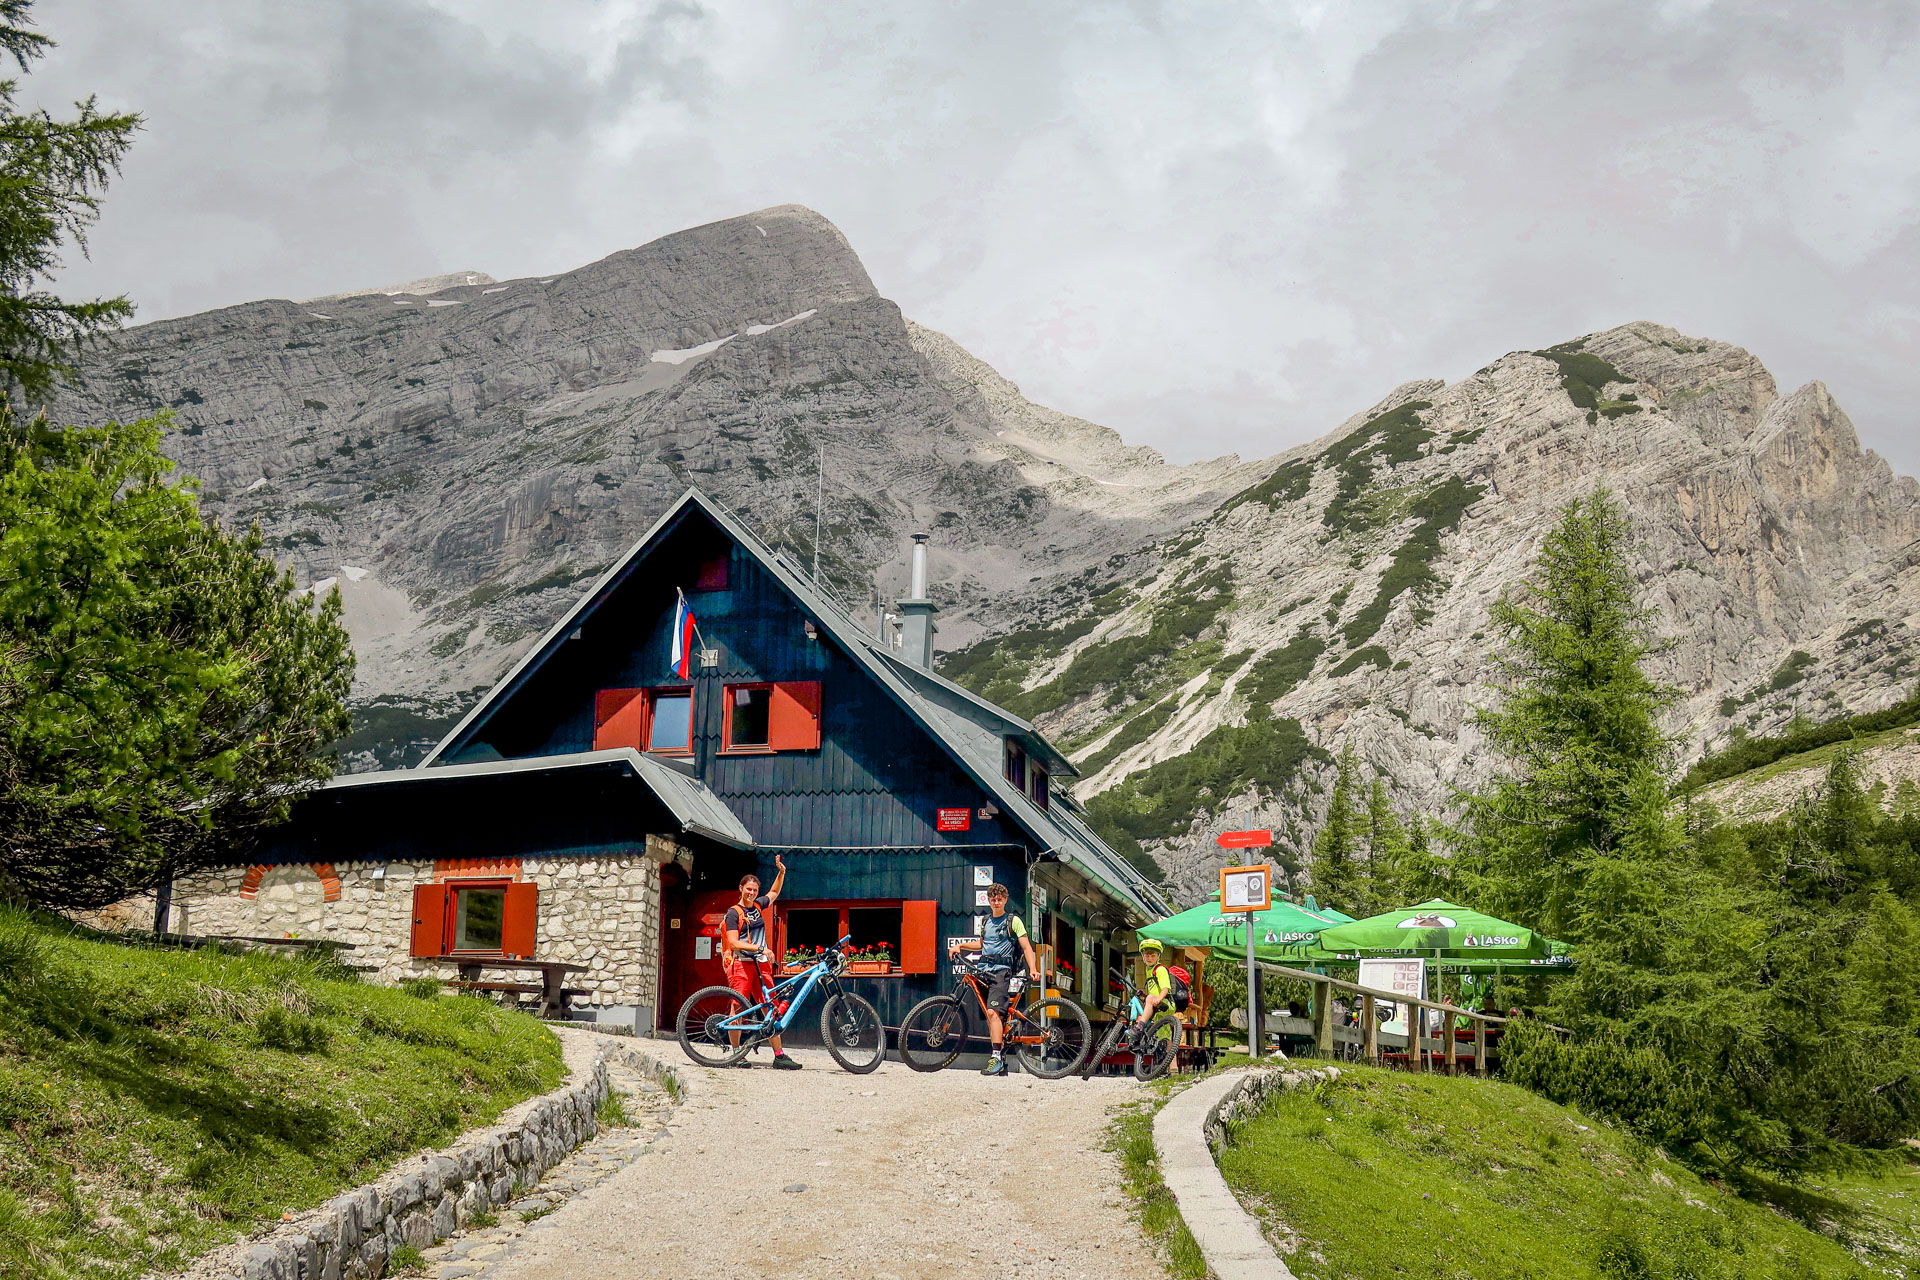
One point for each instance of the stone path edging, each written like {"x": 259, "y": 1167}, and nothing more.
{"x": 427, "y": 1198}
{"x": 1185, "y": 1134}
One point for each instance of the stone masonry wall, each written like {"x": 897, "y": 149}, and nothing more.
{"x": 600, "y": 912}
{"x": 352, "y": 1236}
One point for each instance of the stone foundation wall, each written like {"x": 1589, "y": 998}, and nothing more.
{"x": 602, "y": 912}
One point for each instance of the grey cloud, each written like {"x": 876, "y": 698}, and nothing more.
{"x": 1211, "y": 226}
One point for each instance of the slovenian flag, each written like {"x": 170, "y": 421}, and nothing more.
{"x": 682, "y": 652}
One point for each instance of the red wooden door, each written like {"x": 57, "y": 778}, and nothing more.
{"x": 691, "y": 954}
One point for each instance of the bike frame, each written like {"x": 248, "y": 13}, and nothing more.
{"x": 971, "y": 981}
{"x": 747, "y": 1023}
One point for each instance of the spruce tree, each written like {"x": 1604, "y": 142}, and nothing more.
{"x": 52, "y": 173}
{"x": 1387, "y": 851}
{"x": 1337, "y": 876}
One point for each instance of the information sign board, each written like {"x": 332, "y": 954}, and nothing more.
{"x": 1246, "y": 888}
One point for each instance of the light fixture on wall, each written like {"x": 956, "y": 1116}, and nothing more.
{"x": 379, "y": 873}
{"x": 813, "y": 632}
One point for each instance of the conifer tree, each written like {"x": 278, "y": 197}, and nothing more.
{"x": 1387, "y": 851}
{"x": 1577, "y": 722}
{"x": 1337, "y": 876}
{"x": 52, "y": 173}
{"x": 165, "y": 692}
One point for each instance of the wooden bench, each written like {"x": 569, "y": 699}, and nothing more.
{"x": 517, "y": 988}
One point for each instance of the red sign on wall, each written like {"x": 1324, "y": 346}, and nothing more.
{"x": 953, "y": 820}
{"x": 1244, "y": 839}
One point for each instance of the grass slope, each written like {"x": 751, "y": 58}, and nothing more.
{"x": 1385, "y": 1174}
{"x": 155, "y": 1103}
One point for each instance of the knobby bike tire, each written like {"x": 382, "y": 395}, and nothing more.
{"x": 1108, "y": 1043}
{"x": 700, "y": 1039}
{"x": 1066, "y": 1037}
{"x": 853, "y": 1032}
{"x": 1159, "y": 1046}
{"x": 933, "y": 1033}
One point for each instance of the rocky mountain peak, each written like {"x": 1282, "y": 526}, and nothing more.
{"x": 1202, "y": 639}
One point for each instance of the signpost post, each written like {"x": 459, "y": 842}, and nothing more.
{"x": 1250, "y": 890}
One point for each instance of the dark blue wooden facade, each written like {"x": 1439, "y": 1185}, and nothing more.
{"x": 876, "y": 780}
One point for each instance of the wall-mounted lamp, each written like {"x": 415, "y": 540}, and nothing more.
{"x": 813, "y": 632}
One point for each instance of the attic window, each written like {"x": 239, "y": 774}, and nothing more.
{"x": 1037, "y": 786}
{"x": 1016, "y": 765}
{"x": 712, "y": 574}
{"x": 759, "y": 718}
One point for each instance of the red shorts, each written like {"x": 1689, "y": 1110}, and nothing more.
{"x": 746, "y": 976}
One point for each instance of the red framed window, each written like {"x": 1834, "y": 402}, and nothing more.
{"x": 770, "y": 716}
{"x": 910, "y": 929}
{"x": 656, "y": 720}
{"x": 476, "y": 916}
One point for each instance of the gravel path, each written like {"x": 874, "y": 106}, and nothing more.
{"x": 889, "y": 1176}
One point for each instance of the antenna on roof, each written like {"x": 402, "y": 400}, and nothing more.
{"x": 819, "y": 499}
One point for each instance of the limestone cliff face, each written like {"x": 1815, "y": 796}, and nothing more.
{"x": 461, "y": 456}
{"x": 1345, "y": 597}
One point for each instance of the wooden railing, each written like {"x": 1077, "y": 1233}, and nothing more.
{"x": 1417, "y": 1038}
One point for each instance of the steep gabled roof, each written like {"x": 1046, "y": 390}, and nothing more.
{"x": 967, "y": 726}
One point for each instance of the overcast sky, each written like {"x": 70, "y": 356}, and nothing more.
{"x": 1213, "y": 227}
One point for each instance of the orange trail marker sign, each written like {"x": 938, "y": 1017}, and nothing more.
{"x": 1244, "y": 839}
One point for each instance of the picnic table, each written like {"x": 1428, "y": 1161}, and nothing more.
{"x": 555, "y": 995}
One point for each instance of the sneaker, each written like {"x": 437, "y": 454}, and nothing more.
{"x": 782, "y": 1062}
{"x": 996, "y": 1066}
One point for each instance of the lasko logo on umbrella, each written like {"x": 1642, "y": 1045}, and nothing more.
{"x": 1491, "y": 940}
{"x": 1428, "y": 921}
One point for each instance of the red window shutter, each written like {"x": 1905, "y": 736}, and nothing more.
{"x": 618, "y": 719}
{"x": 920, "y": 937}
{"x": 519, "y": 924}
{"x": 793, "y": 721}
{"x": 429, "y": 920}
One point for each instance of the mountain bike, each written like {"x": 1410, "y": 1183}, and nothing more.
{"x": 852, "y": 1030}
{"x": 1154, "y": 1048}
{"x": 1049, "y": 1037}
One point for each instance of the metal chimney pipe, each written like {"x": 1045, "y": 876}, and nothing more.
{"x": 919, "y": 587}
{"x": 916, "y": 611}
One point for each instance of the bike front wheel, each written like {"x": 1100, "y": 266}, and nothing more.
{"x": 1051, "y": 1037}
{"x": 853, "y": 1032}
{"x": 702, "y": 1035}
{"x": 1108, "y": 1043}
{"x": 1158, "y": 1046}
{"x": 933, "y": 1033}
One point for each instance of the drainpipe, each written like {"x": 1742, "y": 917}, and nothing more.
{"x": 916, "y": 611}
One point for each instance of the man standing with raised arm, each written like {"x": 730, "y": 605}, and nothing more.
{"x": 998, "y": 952}
{"x": 744, "y": 949}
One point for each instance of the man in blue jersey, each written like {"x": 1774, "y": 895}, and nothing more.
{"x": 1002, "y": 944}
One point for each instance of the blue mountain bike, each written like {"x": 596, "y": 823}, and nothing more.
{"x": 718, "y": 1026}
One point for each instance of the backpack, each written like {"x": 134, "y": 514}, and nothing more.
{"x": 1182, "y": 988}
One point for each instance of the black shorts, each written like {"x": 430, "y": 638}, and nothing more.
{"x": 999, "y": 987}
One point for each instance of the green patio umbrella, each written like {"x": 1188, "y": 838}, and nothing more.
{"x": 1437, "y": 928}
{"x": 1283, "y": 932}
